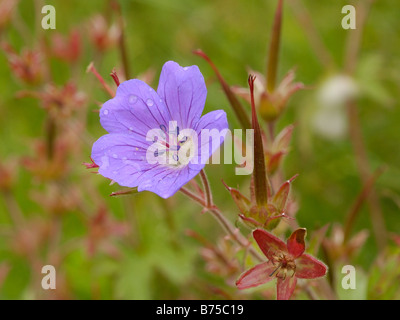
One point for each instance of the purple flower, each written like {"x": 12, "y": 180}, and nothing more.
{"x": 166, "y": 124}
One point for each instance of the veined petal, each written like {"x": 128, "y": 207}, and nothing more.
{"x": 121, "y": 157}
{"x": 308, "y": 267}
{"x": 285, "y": 287}
{"x": 135, "y": 109}
{"x": 165, "y": 181}
{"x": 268, "y": 243}
{"x": 255, "y": 276}
{"x": 184, "y": 92}
{"x": 211, "y": 130}
{"x": 296, "y": 244}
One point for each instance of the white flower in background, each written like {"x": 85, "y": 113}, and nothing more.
{"x": 330, "y": 119}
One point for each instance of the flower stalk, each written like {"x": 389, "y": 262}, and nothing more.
{"x": 260, "y": 175}
{"x": 233, "y": 100}
{"x": 273, "y": 57}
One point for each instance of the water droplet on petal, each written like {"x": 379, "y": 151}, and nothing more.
{"x": 105, "y": 112}
{"x": 104, "y": 162}
{"x": 150, "y": 102}
{"x": 219, "y": 115}
{"x": 115, "y": 156}
{"x": 132, "y": 99}
{"x": 185, "y": 68}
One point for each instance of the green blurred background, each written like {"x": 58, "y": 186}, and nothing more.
{"x": 158, "y": 259}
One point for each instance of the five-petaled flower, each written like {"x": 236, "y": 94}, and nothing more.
{"x": 286, "y": 262}
{"x": 136, "y": 110}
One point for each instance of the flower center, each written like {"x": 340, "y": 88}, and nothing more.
{"x": 174, "y": 147}
{"x": 285, "y": 265}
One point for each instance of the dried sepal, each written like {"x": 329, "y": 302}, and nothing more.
{"x": 281, "y": 197}
{"x": 241, "y": 201}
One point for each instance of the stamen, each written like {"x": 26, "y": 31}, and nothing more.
{"x": 175, "y": 130}
{"x": 174, "y": 148}
{"x": 277, "y": 268}
{"x": 158, "y": 152}
{"x": 284, "y": 274}
{"x": 170, "y": 140}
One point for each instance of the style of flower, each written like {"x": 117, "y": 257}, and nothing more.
{"x": 286, "y": 262}
{"x": 140, "y": 121}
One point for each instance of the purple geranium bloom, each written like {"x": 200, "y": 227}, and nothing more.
{"x": 137, "y": 110}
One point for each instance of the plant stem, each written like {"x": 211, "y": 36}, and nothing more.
{"x": 378, "y": 223}
{"x": 305, "y": 20}
{"x": 192, "y": 196}
{"x": 122, "y": 48}
{"x": 353, "y": 42}
{"x": 115, "y": 6}
{"x": 207, "y": 189}
{"x": 91, "y": 68}
{"x": 233, "y": 100}
{"x": 355, "y": 209}
{"x": 226, "y": 225}
{"x": 273, "y": 57}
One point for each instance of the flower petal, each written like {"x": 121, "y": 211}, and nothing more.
{"x": 285, "y": 288}
{"x": 296, "y": 244}
{"x": 136, "y": 109}
{"x": 308, "y": 267}
{"x": 211, "y": 129}
{"x": 184, "y": 93}
{"x": 268, "y": 243}
{"x": 256, "y": 276}
{"x": 121, "y": 157}
{"x": 166, "y": 181}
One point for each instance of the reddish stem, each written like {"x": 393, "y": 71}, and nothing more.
{"x": 91, "y": 68}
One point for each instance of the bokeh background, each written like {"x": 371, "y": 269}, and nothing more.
{"x": 54, "y": 211}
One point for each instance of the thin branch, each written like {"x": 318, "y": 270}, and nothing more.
{"x": 355, "y": 209}
{"x": 207, "y": 189}
{"x": 226, "y": 225}
{"x": 378, "y": 223}
{"x": 91, "y": 68}
{"x": 353, "y": 42}
{"x": 305, "y": 20}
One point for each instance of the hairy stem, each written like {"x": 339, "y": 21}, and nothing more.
{"x": 207, "y": 189}
{"x": 226, "y": 225}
